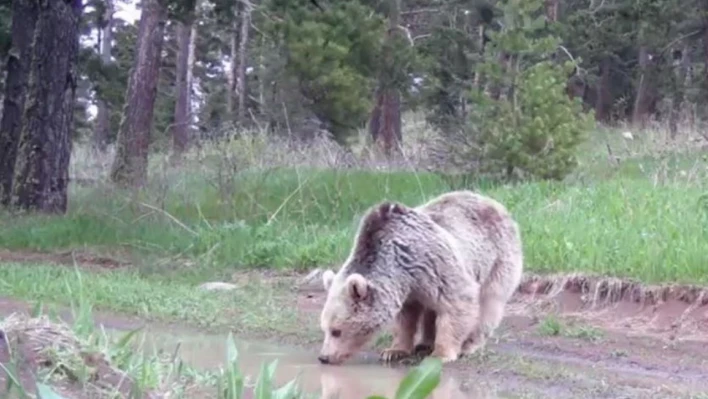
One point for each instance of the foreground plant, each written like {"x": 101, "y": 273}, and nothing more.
{"x": 42, "y": 356}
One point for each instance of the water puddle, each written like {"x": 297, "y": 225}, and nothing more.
{"x": 359, "y": 378}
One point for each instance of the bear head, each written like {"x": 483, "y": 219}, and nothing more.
{"x": 354, "y": 310}
{"x": 349, "y": 317}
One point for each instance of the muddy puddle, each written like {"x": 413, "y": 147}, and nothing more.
{"x": 359, "y": 378}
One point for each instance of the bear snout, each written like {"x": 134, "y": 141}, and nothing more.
{"x": 332, "y": 359}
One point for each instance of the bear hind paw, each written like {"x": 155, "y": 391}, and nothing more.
{"x": 446, "y": 356}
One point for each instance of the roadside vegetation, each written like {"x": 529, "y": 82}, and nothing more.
{"x": 51, "y": 359}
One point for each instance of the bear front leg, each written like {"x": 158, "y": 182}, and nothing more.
{"x": 427, "y": 342}
{"x": 405, "y": 326}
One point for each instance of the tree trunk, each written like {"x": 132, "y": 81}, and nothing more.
{"x": 42, "y": 170}
{"x": 639, "y": 114}
{"x": 103, "y": 117}
{"x": 241, "y": 87}
{"x": 681, "y": 70}
{"x": 551, "y": 10}
{"x": 180, "y": 128}
{"x": 496, "y": 86}
{"x": 24, "y": 19}
{"x": 385, "y": 124}
{"x": 130, "y": 164}
{"x": 385, "y": 120}
{"x": 261, "y": 76}
{"x": 191, "y": 60}
{"x": 604, "y": 96}
{"x": 480, "y": 40}
{"x": 232, "y": 72}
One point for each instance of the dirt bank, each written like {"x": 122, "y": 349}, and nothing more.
{"x": 579, "y": 336}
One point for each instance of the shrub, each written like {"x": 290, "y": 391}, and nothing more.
{"x": 521, "y": 122}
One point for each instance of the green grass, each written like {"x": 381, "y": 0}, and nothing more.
{"x": 626, "y": 226}
{"x": 644, "y": 215}
{"x": 254, "y": 309}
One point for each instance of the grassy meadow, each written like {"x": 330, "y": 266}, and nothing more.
{"x": 634, "y": 208}
{"x": 254, "y": 203}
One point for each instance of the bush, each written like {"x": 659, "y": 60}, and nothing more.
{"x": 521, "y": 122}
{"x": 333, "y": 55}
{"x": 536, "y": 131}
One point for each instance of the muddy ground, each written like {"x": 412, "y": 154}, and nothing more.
{"x": 567, "y": 337}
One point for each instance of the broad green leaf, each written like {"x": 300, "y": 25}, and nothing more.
{"x": 264, "y": 384}
{"x": 231, "y": 351}
{"x": 287, "y": 391}
{"x": 421, "y": 381}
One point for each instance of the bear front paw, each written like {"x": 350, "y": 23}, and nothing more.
{"x": 392, "y": 355}
{"x": 423, "y": 349}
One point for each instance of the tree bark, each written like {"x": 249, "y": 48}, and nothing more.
{"x": 604, "y": 96}
{"x": 385, "y": 120}
{"x": 42, "y": 169}
{"x": 681, "y": 71}
{"x": 180, "y": 128}
{"x": 241, "y": 86}
{"x": 24, "y": 20}
{"x": 103, "y": 117}
{"x": 551, "y": 10}
{"x": 130, "y": 164}
{"x": 639, "y": 114}
{"x": 480, "y": 42}
{"x": 385, "y": 124}
{"x": 191, "y": 60}
{"x": 232, "y": 71}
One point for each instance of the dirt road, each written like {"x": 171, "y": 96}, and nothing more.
{"x": 578, "y": 337}
{"x": 561, "y": 339}
{"x": 566, "y": 337}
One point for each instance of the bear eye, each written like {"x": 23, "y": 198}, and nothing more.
{"x": 336, "y": 333}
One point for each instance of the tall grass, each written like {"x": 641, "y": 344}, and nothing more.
{"x": 298, "y": 219}
{"x": 638, "y": 209}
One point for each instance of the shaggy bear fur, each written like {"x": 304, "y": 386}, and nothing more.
{"x": 451, "y": 264}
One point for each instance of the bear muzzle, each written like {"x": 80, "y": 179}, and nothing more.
{"x": 331, "y": 359}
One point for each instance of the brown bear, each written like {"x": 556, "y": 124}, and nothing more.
{"x": 454, "y": 261}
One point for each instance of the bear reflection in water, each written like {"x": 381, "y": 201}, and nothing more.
{"x": 363, "y": 381}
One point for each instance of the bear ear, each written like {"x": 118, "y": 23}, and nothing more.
{"x": 388, "y": 209}
{"x": 327, "y": 278}
{"x": 357, "y": 286}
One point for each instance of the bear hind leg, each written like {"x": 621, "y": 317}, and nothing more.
{"x": 405, "y": 327}
{"x": 493, "y": 299}
{"x": 491, "y": 315}
{"x": 453, "y": 325}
